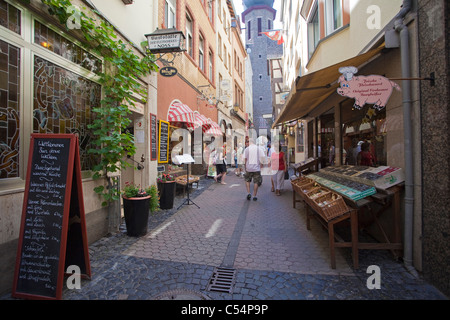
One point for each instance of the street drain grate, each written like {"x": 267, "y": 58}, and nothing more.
{"x": 222, "y": 280}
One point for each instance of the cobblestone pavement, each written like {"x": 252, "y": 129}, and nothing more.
{"x": 265, "y": 243}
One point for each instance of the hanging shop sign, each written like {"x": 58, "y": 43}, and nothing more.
{"x": 365, "y": 89}
{"x": 165, "y": 40}
{"x": 168, "y": 71}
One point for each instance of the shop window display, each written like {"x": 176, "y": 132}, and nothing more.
{"x": 370, "y": 126}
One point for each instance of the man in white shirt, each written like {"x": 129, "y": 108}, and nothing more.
{"x": 253, "y": 157}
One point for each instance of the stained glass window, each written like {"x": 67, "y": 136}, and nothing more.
{"x": 63, "y": 103}
{"x": 9, "y": 110}
{"x": 54, "y": 42}
{"x": 10, "y": 17}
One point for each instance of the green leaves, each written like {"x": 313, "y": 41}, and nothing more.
{"x": 120, "y": 85}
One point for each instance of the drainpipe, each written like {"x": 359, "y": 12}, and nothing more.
{"x": 402, "y": 29}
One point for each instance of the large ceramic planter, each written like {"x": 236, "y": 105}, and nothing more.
{"x": 136, "y": 212}
{"x": 166, "y": 194}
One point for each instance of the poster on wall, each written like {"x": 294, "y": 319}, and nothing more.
{"x": 365, "y": 89}
{"x": 153, "y": 138}
{"x": 163, "y": 155}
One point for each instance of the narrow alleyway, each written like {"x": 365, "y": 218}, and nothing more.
{"x": 264, "y": 243}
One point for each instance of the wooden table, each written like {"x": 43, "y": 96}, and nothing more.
{"x": 387, "y": 199}
{"x": 182, "y": 180}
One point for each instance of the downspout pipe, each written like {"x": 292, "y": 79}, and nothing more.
{"x": 403, "y": 32}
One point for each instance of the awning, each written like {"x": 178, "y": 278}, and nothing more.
{"x": 200, "y": 120}
{"x": 180, "y": 114}
{"x": 313, "y": 88}
{"x": 214, "y": 129}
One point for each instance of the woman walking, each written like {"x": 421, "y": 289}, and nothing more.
{"x": 278, "y": 164}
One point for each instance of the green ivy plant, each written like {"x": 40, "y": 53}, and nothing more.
{"x": 120, "y": 84}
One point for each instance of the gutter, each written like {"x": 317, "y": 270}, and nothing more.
{"x": 403, "y": 32}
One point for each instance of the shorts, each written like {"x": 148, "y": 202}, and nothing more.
{"x": 256, "y": 176}
{"x": 221, "y": 168}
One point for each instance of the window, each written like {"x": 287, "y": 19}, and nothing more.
{"x": 219, "y": 46}
{"x": 210, "y": 11}
{"x": 59, "y": 98}
{"x": 189, "y": 32}
{"x": 10, "y": 17}
{"x": 201, "y": 55}
{"x": 170, "y": 13}
{"x": 249, "y": 30}
{"x": 313, "y": 32}
{"x": 211, "y": 66}
{"x": 259, "y": 27}
{"x": 269, "y": 24}
{"x": 333, "y": 15}
{"x": 9, "y": 110}
{"x": 225, "y": 56}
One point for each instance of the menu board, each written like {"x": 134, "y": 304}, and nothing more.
{"x": 163, "y": 155}
{"x": 53, "y": 196}
{"x": 153, "y": 138}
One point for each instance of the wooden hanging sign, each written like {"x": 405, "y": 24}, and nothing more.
{"x": 53, "y": 226}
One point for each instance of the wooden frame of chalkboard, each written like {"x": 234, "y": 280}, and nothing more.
{"x": 163, "y": 154}
{"x": 53, "y": 226}
{"x": 153, "y": 137}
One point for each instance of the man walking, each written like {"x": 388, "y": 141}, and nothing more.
{"x": 252, "y": 157}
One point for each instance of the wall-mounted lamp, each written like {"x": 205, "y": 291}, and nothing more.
{"x": 236, "y": 107}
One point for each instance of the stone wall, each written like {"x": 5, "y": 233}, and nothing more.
{"x": 434, "y": 38}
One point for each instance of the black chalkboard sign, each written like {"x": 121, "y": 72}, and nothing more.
{"x": 53, "y": 228}
{"x": 163, "y": 156}
{"x": 153, "y": 138}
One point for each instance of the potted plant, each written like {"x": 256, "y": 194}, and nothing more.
{"x": 167, "y": 188}
{"x": 137, "y": 205}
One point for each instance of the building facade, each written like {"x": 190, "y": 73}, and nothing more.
{"x": 50, "y": 84}
{"x": 258, "y": 17}
{"x": 434, "y": 43}
{"x": 400, "y": 40}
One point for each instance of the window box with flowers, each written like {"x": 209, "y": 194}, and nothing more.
{"x": 137, "y": 205}
{"x": 167, "y": 189}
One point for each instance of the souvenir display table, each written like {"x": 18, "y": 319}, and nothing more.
{"x": 350, "y": 192}
{"x": 182, "y": 180}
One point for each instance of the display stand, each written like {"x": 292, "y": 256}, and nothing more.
{"x": 186, "y": 159}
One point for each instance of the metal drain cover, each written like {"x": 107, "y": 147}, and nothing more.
{"x": 181, "y": 294}
{"x": 222, "y": 280}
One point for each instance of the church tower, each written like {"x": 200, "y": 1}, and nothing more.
{"x": 258, "y": 17}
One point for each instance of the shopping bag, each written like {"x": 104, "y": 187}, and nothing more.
{"x": 212, "y": 171}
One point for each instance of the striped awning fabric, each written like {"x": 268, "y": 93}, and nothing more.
{"x": 213, "y": 129}
{"x": 180, "y": 114}
{"x": 201, "y": 120}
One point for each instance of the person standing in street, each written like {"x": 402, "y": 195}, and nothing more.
{"x": 278, "y": 165}
{"x": 252, "y": 157}
{"x": 221, "y": 165}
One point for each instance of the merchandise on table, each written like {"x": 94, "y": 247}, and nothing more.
{"x": 382, "y": 177}
{"x": 342, "y": 185}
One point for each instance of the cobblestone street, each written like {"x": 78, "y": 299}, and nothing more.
{"x": 265, "y": 243}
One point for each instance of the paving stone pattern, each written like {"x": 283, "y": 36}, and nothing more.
{"x": 266, "y": 241}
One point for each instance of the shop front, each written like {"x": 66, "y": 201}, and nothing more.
{"x": 343, "y": 132}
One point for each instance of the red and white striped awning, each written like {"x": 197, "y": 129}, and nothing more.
{"x": 180, "y": 114}
{"x": 214, "y": 129}
{"x": 200, "y": 120}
